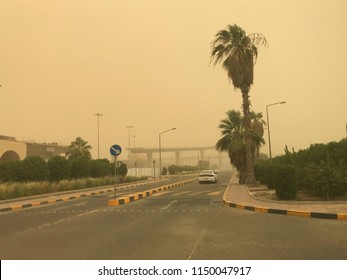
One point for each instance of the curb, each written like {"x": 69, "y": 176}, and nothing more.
{"x": 51, "y": 201}
{"x": 307, "y": 214}
{"x": 139, "y": 195}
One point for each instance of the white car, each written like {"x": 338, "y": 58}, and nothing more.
{"x": 207, "y": 176}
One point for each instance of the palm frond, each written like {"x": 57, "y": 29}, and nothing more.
{"x": 234, "y": 135}
{"x": 237, "y": 52}
{"x": 258, "y": 39}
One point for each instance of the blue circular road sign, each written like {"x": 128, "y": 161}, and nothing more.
{"x": 115, "y": 150}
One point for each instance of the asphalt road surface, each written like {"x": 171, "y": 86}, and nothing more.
{"x": 187, "y": 222}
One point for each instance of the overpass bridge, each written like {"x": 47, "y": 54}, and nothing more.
{"x": 177, "y": 152}
{"x": 11, "y": 149}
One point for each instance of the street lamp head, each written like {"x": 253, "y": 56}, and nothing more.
{"x": 283, "y": 102}
{"x": 167, "y": 130}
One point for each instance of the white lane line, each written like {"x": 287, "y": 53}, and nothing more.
{"x": 87, "y": 213}
{"x": 169, "y": 205}
{"x": 203, "y": 234}
{"x": 213, "y": 193}
{"x": 182, "y": 193}
{"x": 40, "y": 227}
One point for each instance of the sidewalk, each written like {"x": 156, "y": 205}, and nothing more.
{"x": 240, "y": 196}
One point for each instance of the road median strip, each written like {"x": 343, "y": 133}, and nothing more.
{"x": 139, "y": 195}
{"x": 24, "y": 204}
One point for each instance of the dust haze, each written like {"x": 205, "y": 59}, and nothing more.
{"x": 146, "y": 64}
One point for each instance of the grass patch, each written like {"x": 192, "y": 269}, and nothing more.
{"x": 16, "y": 190}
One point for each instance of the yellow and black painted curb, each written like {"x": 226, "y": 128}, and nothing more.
{"x": 139, "y": 195}
{"x": 24, "y": 205}
{"x": 45, "y": 202}
{"x": 307, "y": 214}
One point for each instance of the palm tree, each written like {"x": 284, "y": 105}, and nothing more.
{"x": 233, "y": 139}
{"x": 79, "y": 148}
{"x": 257, "y": 133}
{"x": 238, "y": 53}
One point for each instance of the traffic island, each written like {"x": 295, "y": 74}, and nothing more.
{"x": 307, "y": 214}
{"x": 139, "y": 195}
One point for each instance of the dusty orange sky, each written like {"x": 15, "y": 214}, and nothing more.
{"x": 146, "y": 64}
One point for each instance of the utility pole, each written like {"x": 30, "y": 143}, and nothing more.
{"x": 129, "y": 127}
{"x": 98, "y": 115}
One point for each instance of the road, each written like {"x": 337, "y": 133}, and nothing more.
{"x": 187, "y": 222}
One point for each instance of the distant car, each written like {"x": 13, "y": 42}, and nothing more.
{"x": 208, "y": 176}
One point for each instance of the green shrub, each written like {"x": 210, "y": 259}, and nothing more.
{"x": 34, "y": 168}
{"x": 59, "y": 168}
{"x": 284, "y": 179}
{"x": 173, "y": 169}
{"x": 164, "y": 171}
{"x": 79, "y": 167}
{"x": 325, "y": 180}
{"x": 304, "y": 181}
{"x": 263, "y": 173}
{"x": 11, "y": 171}
{"x": 99, "y": 168}
{"x": 122, "y": 170}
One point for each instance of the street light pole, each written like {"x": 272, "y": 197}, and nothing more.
{"x": 160, "y": 148}
{"x": 135, "y": 163}
{"x": 268, "y": 124}
{"x": 98, "y": 115}
{"x": 129, "y": 127}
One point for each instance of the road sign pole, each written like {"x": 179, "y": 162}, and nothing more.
{"x": 115, "y": 151}
{"x": 115, "y": 177}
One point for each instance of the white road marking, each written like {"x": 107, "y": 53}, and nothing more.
{"x": 169, "y": 205}
{"x": 87, "y": 213}
{"x": 213, "y": 193}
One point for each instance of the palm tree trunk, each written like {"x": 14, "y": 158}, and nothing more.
{"x": 249, "y": 168}
{"x": 242, "y": 176}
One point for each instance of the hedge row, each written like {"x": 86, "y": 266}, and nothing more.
{"x": 323, "y": 179}
{"x": 57, "y": 168}
{"x": 333, "y": 152}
